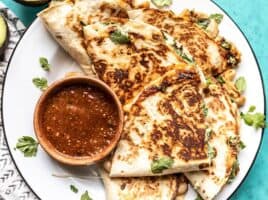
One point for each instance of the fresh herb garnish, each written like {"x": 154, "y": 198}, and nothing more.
{"x": 161, "y": 164}
{"x": 108, "y": 23}
{"x": 253, "y": 119}
{"x": 85, "y": 196}
{"x": 234, "y": 171}
{"x": 73, "y": 188}
{"x": 162, "y": 3}
{"x": 236, "y": 142}
{"x": 198, "y": 197}
{"x": 164, "y": 35}
{"x": 205, "y": 109}
{"x": 44, "y": 63}
{"x": 203, "y": 23}
{"x": 208, "y": 134}
{"x": 27, "y": 145}
{"x": 211, "y": 152}
{"x": 220, "y": 80}
{"x": 217, "y": 17}
{"x": 208, "y": 81}
{"x": 241, "y": 84}
{"x": 232, "y": 60}
{"x": 241, "y": 145}
{"x": 40, "y": 83}
{"x": 225, "y": 45}
{"x": 252, "y": 109}
{"x": 119, "y": 38}
{"x": 181, "y": 53}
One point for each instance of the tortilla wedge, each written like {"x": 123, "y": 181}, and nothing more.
{"x": 223, "y": 139}
{"x": 149, "y": 188}
{"x": 166, "y": 124}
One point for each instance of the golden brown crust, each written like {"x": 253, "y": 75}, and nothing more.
{"x": 207, "y": 52}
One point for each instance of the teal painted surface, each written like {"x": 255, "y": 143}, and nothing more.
{"x": 25, "y": 13}
{"x": 251, "y": 16}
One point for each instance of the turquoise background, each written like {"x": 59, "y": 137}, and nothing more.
{"x": 252, "y": 18}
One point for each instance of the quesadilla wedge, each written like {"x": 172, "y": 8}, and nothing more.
{"x": 65, "y": 21}
{"x": 127, "y": 55}
{"x": 207, "y": 54}
{"x": 54, "y": 18}
{"x": 212, "y": 53}
{"x": 170, "y": 187}
{"x": 164, "y": 130}
{"x": 223, "y": 140}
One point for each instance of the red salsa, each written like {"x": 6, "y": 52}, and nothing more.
{"x": 80, "y": 120}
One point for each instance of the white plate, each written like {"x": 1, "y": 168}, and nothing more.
{"x": 20, "y": 97}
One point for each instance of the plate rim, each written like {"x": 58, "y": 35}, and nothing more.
{"x": 259, "y": 72}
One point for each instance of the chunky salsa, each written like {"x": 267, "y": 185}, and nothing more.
{"x": 80, "y": 120}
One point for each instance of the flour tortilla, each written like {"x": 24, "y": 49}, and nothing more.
{"x": 224, "y": 120}
{"x": 166, "y": 120}
{"x": 207, "y": 54}
{"x": 149, "y": 188}
{"x": 127, "y": 68}
{"x": 65, "y": 20}
{"x": 54, "y": 18}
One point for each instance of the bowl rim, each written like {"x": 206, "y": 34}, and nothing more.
{"x": 49, "y": 148}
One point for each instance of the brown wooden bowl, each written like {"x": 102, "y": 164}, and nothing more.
{"x": 48, "y": 147}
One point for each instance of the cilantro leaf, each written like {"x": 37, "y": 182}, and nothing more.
{"x": 205, "y": 109}
{"x": 241, "y": 145}
{"x": 27, "y": 145}
{"x": 232, "y": 60}
{"x": 182, "y": 54}
{"x": 241, "y": 84}
{"x": 73, "y": 188}
{"x": 236, "y": 142}
{"x": 118, "y": 37}
{"x": 161, "y": 164}
{"x": 225, "y": 45}
{"x": 254, "y": 119}
{"x": 40, "y": 83}
{"x": 211, "y": 152}
{"x": 203, "y": 23}
{"x": 85, "y": 196}
{"x": 208, "y": 134}
{"x": 198, "y": 197}
{"x": 220, "y": 80}
{"x": 162, "y": 3}
{"x": 252, "y": 109}
{"x": 44, "y": 63}
{"x": 217, "y": 17}
{"x": 234, "y": 171}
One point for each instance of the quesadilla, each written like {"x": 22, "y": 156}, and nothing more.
{"x": 65, "y": 21}
{"x": 164, "y": 130}
{"x": 207, "y": 54}
{"x": 168, "y": 117}
{"x": 223, "y": 140}
{"x": 205, "y": 48}
{"x": 127, "y": 55}
{"x": 170, "y": 187}
{"x": 54, "y": 18}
